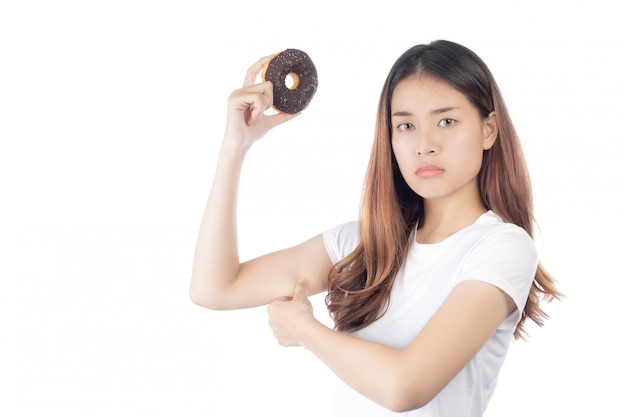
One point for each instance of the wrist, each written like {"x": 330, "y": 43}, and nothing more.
{"x": 311, "y": 332}
{"x": 232, "y": 154}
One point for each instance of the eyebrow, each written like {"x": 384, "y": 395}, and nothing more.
{"x": 435, "y": 111}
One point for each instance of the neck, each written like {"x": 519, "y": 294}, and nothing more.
{"x": 446, "y": 216}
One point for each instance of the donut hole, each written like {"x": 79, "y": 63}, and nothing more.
{"x": 292, "y": 80}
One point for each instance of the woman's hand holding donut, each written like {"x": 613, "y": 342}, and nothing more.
{"x": 246, "y": 122}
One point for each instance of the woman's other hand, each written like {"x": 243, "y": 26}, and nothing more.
{"x": 288, "y": 316}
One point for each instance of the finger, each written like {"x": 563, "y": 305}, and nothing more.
{"x": 274, "y": 306}
{"x": 302, "y": 289}
{"x": 254, "y": 100}
{"x": 254, "y": 70}
{"x": 255, "y": 92}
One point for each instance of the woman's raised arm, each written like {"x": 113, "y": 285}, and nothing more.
{"x": 219, "y": 280}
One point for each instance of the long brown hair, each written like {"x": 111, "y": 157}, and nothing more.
{"x": 360, "y": 284}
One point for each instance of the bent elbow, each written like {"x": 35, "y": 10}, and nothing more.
{"x": 403, "y": 397}
{"x": 198, "y": 300}
{"x": 206, "y": 299}
{"x": 402, "y": 405}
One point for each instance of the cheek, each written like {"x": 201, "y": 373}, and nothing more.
{"x": 402, "y": 146}
{"x": 470, "y": 149}
{"x": 400, "y": 152}
{"x": 476, "y": 163}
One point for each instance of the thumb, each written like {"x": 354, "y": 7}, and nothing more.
{"x": 302, "y": 288}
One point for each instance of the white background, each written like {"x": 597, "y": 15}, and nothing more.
{"x": 111, "y": 114}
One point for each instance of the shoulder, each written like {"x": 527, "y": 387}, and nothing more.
{"x": 504, "y": 255}
{"x": 494, "y": 234}
{"x": 341, "y": 239}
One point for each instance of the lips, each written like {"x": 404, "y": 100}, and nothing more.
{"x": 429, "y": 171}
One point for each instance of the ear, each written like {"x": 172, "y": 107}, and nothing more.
{"x": 490, "y": 130}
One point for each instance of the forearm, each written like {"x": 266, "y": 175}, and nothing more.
{"x": 216, "y": 264}
{"x": 216, "y": 258}
{"x": 410, "y": 378}
{"x": 372, "y": 369}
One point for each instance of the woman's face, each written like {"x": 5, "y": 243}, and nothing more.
{"x": 438, "y": 138}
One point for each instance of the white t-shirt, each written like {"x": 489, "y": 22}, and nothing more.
{"x": 489, "y": 250}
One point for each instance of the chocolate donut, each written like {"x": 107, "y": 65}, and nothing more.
{"x": 297, "y": 65}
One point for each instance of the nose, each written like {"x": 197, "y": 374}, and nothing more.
{"x": 425, "y": 151}
{"x": 425, "y": 144}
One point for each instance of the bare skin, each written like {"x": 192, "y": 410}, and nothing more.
{"x": 219, "y": 280}
{"x": 397, "y": 379}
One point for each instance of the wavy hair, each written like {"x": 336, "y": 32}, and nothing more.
{"x": 359, "y": 286}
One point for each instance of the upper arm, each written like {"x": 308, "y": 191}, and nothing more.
{"x": 450, "y": 339}
{"x": 264, "y": 279}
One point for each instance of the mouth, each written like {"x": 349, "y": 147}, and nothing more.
{"x": 429, "y": 171}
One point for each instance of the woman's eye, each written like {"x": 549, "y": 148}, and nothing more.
{"x": 405, "y": 126}
{"x": 446, "y": 122}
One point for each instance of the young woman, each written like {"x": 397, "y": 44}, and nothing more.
{"x": 428, "y": 288}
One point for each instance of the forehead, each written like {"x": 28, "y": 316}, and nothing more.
{"x": 419, "y": 91}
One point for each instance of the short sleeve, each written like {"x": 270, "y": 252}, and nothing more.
{"x": 341, "y": 240}
{"x": 507, "y": 259}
